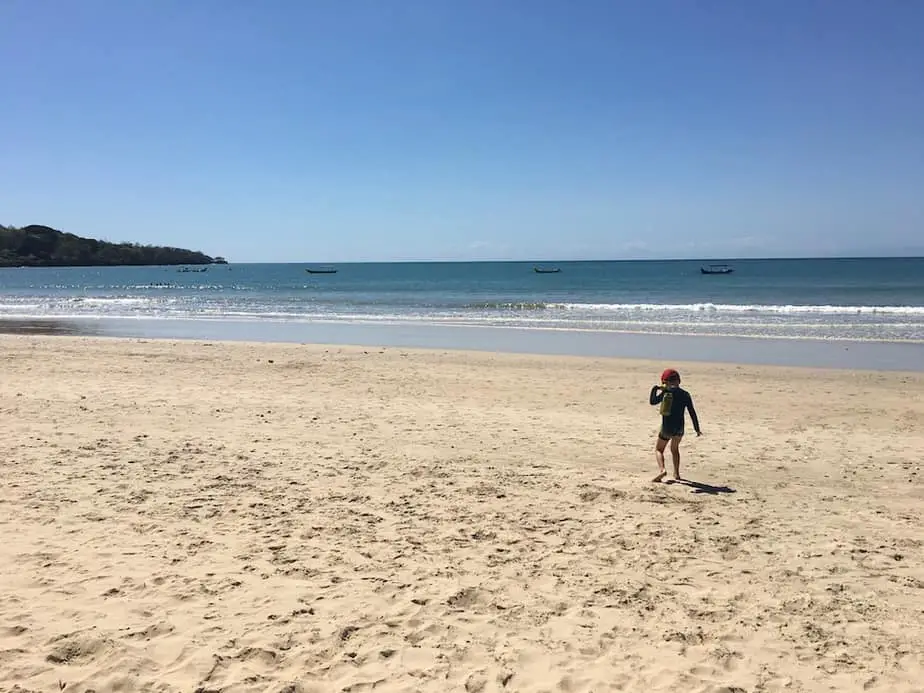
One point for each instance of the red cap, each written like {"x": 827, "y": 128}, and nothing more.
{"x": 669, "y": 374}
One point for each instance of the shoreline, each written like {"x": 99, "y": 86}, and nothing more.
{"x": 92, "y": 322}
{"x": 757, "y": 351}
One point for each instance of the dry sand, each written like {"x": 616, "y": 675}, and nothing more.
{"x": 237, "y": 517}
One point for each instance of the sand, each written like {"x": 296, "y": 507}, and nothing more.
{"x": 183, "y": 516}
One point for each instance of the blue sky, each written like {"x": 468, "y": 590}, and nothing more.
{"x": 468, "y": 129}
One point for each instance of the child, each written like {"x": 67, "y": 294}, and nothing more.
{"x": 674, "y": 400}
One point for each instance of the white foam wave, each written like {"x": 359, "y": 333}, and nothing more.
{"x": 743, "y": 308}
{"x": 110, "y": 301}
{"x": 19, "y": 306}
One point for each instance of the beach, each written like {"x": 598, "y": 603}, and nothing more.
{"x": 183, "y": 515}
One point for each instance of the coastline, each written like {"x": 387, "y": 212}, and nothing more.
{"x": 250, "y": 516}
{"x": 769, "y": 351}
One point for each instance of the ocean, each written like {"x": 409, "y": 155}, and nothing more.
{"x": 827, "y": 299}
{"x": 854, "y": 299}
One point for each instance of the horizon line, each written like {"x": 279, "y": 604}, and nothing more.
{"x": 583, "y": 260}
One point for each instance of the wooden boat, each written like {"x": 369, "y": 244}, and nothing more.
{"x": 321, "y": 270}
{"x": 716, "y": 269}
{"x": 546, "y": 270}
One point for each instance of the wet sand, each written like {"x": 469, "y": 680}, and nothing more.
{"x": 869, "y": 355}
{"x": 49, "y": 327}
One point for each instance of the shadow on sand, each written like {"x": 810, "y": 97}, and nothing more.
{"x": 699, "y": 487}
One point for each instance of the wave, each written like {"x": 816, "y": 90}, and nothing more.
{"x": 833, "y": 332}
{"x": 311, "y": 303}
{"x": 788, "y": 309}
{"x": 110, "y": 301}
{"x": 509, "y": 305}
{"x": 740, "y": 308}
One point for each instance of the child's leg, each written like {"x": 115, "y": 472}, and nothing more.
{"x": 659, "y": 456}
{"x": 675, "y": 455}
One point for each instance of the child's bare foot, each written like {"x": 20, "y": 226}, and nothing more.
{"x": 677, "y": 477}
{"x": 657, "y": 479}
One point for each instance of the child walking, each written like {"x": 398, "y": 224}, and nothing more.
{"x": 674, "y": 402}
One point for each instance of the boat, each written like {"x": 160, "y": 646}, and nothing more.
{"x": 546, "y": 270}
{"x": 716, "y": 269}
{"x": 321, "y": 270}
{"x": 190, "y": 269}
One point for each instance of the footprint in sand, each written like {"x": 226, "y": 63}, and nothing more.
{"x": 76, "y": 649}
{"x": 466, "y": 598}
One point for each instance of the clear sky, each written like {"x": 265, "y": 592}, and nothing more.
{"x": 336, "y": 130}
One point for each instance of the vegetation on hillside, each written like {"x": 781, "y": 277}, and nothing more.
{"x": 41, "y": 246}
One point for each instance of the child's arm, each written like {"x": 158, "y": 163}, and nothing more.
{"x": 657, "y": 394}
{"x": 693, "y": 415}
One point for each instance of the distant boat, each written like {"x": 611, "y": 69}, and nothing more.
{"x": 546, "y": 270}
{"x": 716, "y": 269}
{"x": 189, "y": 269}
{"x": 321, "y": 270}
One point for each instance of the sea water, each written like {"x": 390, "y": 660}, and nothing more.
{"x": 839, "y": 299}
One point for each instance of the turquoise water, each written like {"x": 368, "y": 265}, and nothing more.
{"x": 860, "y": 299}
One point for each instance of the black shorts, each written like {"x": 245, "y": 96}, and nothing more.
{"x": 669, "y": 431}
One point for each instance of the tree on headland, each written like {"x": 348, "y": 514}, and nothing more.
{"x": 41, "y": 246}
